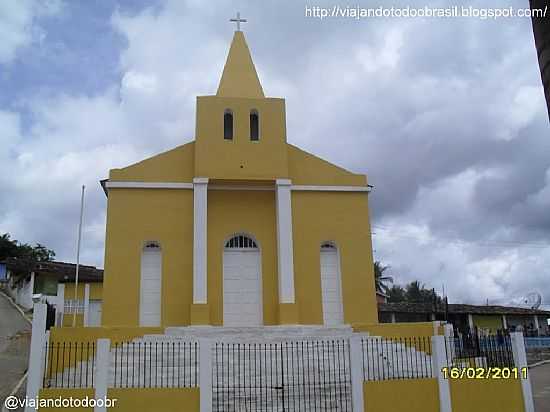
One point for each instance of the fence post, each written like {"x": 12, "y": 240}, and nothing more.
{"x": 356, "y": 366}
{"x": 520, "y": 360}
{"x": 101, "y": 373}
{"x": 439, "y": 361}
{"x": 205, "y": 375}
{"x": 38, "y": 338}
{"x": 60, "y": 305}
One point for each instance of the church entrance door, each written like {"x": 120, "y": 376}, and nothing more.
{"x": 242, "y": 291}
{"x": 331, "y": 285}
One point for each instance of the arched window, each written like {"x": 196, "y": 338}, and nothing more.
{"x": 241, "y": 242}
{"x": 228, "y": 125}
{"x": 254, "y": 125}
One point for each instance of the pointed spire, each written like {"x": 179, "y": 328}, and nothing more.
{"x": 239, "y": 77}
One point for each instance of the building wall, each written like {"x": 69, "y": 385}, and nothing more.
{"x": 492, "y": 323}
{"x": 343, "y": 219}
{"x": 415, "y": 395}
{"x": 251, "y": 212}
{"x": 134, "y": 217}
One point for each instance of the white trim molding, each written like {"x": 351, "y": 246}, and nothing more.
{"x": 200, "y": 217}
{"x": 190, "y": 186}
{"x": 285, "y": 249}
{"x": 149, "y": 185}
{"x": 318, "y": 188}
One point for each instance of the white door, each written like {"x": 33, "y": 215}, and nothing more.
{"x": 94, "y": 313}
{"x": 242, "y": 292}
{"x": 333, "y": 311}
{"x": 150, "y": 286}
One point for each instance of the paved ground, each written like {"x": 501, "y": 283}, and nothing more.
{"x": 540, "y": 382}
{"x": 15, "y": 334}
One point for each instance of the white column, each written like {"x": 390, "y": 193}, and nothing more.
{"x": 537, "y": 325}
{"x": 356, "y": 364}
{"x": 86, "y": 303}
{"x": 285, "y": 250}
{"x": 103, "y": 358}
{"x": 60, "y": 306}
{"x": 36, "y": 355}
{"x": 504, "y": 322}
{"x": 205, "y": 375}
{"x": 200, "y": 217}
{"x": 471, "y": 321}
{"x": 439, "y": 361}
{"x": 520, "y": 360}
{"x": 393, "y": 320}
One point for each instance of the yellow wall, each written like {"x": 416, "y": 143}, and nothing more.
{"x": 66, "y": 394}
{"x": 490, "y": 322}
{"x": 218, "y": 158}
{"x": 411, "y": 395}
{"x": 136, "y": 216}
{"x": 155, "y": 399}
{"x": 96, "y": 290}
{"x": 503, "y": 395}
{"x": 343, "y": 219}
{"x": 251, "y": 212}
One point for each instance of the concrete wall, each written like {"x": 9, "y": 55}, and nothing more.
{"x": 502, "y": 395}
{"x": 155, "y": 399}
{"x": 413, "y": 395}
{"x": 75, "y": 393}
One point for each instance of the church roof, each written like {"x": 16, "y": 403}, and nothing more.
{"x": 239, "y": 77}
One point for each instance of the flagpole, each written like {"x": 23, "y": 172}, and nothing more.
{"x": 78, "y": 257}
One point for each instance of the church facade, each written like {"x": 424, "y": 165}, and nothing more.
{"x": 238, "y": 227}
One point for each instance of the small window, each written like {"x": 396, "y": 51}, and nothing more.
{"x": 228, "y": 125}
{"x": 254, "y": 125}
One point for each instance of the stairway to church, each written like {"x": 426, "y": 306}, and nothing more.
{"x": 262, "y": 369}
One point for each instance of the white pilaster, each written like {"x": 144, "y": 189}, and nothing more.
{"x": 471, "y": 321}
{"x": 285, "y": 249}
{"x": 103, "y": 358}
{"x": 36, "y": 355}
{"x": 537, "y": 325}
{"x": 520, "y": 360}
{"x": 86, "y": 303}
{"x": 356, "y": 365}
{"x": 205, "y": 375}
{"x": 60, "y": 306}
{"x": 393, "y": 319}
{"x": 439, "y": 361}
{"x": 504, "y": 322}
{"x": 200, "y": 217}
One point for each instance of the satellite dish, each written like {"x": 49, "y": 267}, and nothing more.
{"x": 533, "y": 300}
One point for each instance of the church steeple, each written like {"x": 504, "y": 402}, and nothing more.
{"x": 239, "y": 77}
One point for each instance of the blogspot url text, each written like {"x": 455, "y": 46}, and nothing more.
{"x": 357, "y": 12}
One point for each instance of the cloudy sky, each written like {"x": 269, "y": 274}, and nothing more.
{"x": 446, "y": 116}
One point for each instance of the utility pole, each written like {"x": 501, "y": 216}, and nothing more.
{"x": 78, "y": 255}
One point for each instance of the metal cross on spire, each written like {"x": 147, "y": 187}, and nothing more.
{"x": 238, "y": 20}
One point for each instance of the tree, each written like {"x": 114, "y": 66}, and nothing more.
{"x": 14, "y": 249}
{"x": 379, "y": 278}
{"x": 414, "y": 292}
{"x": 396, "y": 294}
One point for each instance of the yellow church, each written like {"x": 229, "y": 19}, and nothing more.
{"x": 238, "y": 227}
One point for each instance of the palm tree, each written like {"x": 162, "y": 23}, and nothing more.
{"x": 379, "y": 278}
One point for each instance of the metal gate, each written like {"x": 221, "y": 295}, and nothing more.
{"x": 282, "y": 376}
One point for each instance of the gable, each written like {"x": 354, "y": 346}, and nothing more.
{"x": 307, "y": 169}
{"x": 176, "y": 165}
